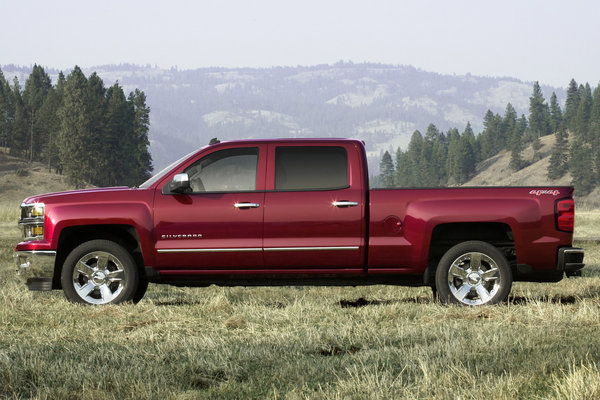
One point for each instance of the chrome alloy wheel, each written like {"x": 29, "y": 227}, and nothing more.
{"x": 98, "y": 277}
{"x": 474, "y": 278}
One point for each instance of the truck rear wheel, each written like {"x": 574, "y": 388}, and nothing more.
{"x": 99, "y": 272}
{"x": 473, "y": 273}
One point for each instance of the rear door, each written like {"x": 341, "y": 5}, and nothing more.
{"x": 314, "y": 206}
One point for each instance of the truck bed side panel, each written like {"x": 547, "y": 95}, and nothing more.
{"x": 529, "y": 216}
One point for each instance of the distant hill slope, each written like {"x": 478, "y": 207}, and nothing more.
{"x": 495, "y": 171}
{"x": 19, "y": 179}
{"x": 380, "y": 104}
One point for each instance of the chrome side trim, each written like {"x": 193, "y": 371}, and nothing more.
{"x": 246, "y": 249}
{"x": 311, "y": 248}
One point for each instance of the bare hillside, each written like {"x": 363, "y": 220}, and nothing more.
{"x": 495, "y": 171}
{"x": 19, "y": 179}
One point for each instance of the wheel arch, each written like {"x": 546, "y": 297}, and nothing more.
{"x": 71, "y": 237}
{"x": 447, "y": 235}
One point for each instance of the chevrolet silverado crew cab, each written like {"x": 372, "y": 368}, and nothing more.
{"x": 293, "y": 212}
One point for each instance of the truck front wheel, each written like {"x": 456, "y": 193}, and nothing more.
{"x": 473, "y": 273}
{"x": 99, "y": 272}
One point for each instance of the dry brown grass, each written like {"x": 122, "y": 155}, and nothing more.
{"x": 587, "y": 223}
{"x": 375, "y": 342}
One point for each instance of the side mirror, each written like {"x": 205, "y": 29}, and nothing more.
{"x": 179, "y": 184}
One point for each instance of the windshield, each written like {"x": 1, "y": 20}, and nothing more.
{"x": 160, "y": 174}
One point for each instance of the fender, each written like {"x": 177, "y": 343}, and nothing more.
{"x": 137, "y": 214}
{"x": 521, "y": 215}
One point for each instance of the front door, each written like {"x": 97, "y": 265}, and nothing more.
{"x": 219, "y": 223}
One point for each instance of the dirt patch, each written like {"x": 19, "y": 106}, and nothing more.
{"x": 338, "y": 351}
{"x": 362, "y": 302}
{"x": 545, "y": 299}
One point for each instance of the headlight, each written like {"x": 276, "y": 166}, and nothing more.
{"x": 32, "y": 221}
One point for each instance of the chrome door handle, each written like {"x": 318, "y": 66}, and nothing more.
{"x": 344, "y": 203}
{"x": 246, "y": 205}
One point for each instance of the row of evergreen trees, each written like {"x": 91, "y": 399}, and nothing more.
{"x": 82, "y": 129}
{"x": 439, "y": 159}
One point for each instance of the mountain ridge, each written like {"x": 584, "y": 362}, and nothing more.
{"x": 377, "y": 103}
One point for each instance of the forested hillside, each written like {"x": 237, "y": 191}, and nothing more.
{"x": 380, "y": 104}
{"x": 437, "y": 159}
{"x": 77, "y": 126}
{"x": 435, "y": 128}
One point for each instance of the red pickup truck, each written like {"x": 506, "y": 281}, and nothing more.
{"x": 293, "y": 212}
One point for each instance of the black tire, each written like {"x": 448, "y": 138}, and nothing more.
{"x": 141, "y": 288}
{"x": 434, "y": 292}
{"x": 473, "y": 273}
{"x": 99, "y": 272}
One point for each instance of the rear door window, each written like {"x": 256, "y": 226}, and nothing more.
{"x": 311, "y": 168}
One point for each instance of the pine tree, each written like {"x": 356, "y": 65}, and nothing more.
{"x": 484, "y": 139}
{"x": 100, "y": 142}
{"x": 559, "y": 164}
{"x": 538, "y": 119}
{"x": 141, "y": 126}
{"x": 117, "y": 139}
{"x": 429, "y": 175}
{"x": 556, "y": 116}
{"x": 52, "y": 119}
{"x": 75, "y": 130}
{"x": 36, "y": 89}
{"x": 594, "y": 131}
{"x": 386, "y": 170}
{"x": 454, "y": 160}
{"x": 522, "y": 125}
{"x": 439, "y": 155}
{"x": 47, "y": 125}
{"x": 492, "y": 139}
{"x": 402, "y": 178}
{"x": 432, "y": 133}
{"x": 469, "y": 136}
{"x": 582, "y": 118}
{"x": 415, "y": 159}
{"x": 516, "y": 149}
{"x": 468, "y": 159}
{"x": 580, "y": 162}
{"x": 509, "y": 122}
{"x": 571, "y": 105}
{"x": 19, "y": 138}
{"x": 515, "y": 139}
{"x": 6, "y": 115}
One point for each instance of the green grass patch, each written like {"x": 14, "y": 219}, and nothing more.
{"x": 376, "y": 342}
{"x": 587, "y": 224}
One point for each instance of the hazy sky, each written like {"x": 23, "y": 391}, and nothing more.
{"x": 551, "y": 41}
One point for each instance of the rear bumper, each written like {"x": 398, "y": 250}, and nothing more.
{"x": 569, "y": 262}
{"x": 570, "y": 259}
{"x": 36, "y": 267}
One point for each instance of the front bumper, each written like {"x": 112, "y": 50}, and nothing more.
{"x": 36, "y": 267}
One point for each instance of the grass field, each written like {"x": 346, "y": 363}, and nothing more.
{"x": 375, "y": 342}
